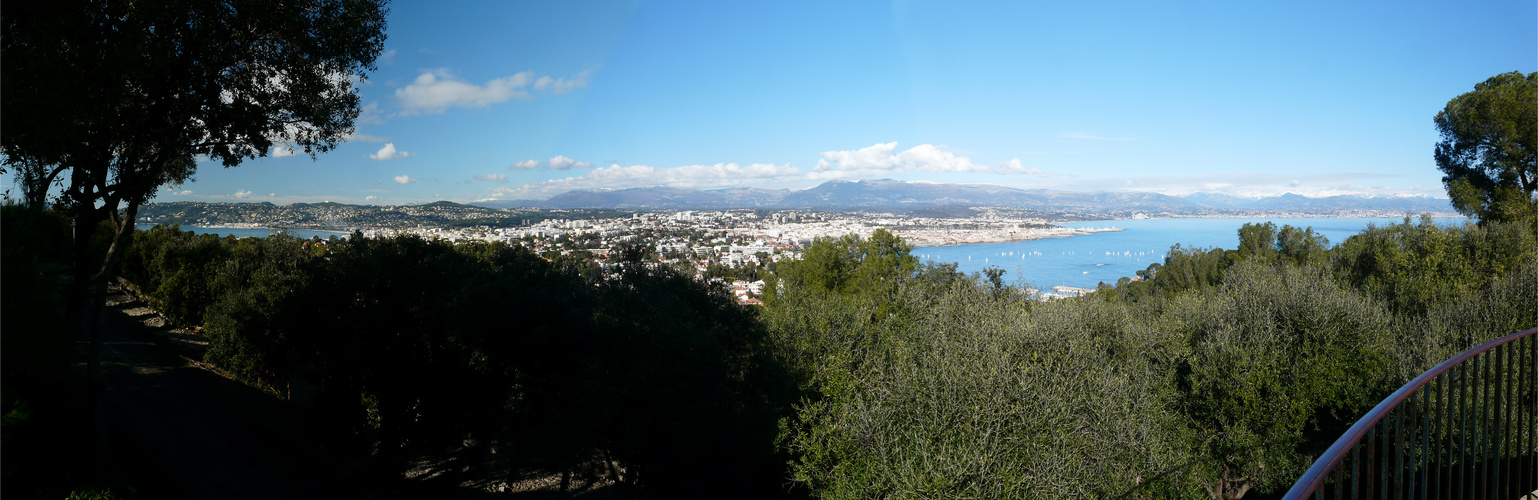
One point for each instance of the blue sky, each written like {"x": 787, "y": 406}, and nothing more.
{"x": 515, "y": 99}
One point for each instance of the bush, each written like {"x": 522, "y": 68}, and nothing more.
{"x": 962, "y": 392}
{"x": 1269, "y": 350}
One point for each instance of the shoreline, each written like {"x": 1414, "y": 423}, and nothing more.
{"x": 923, "y": 243}
{"x": 1279, "y": 215}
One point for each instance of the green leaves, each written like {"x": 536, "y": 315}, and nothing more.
{"x": 1269, "y": 350}
{"x": 1489, "y": 148}
{"x": 1226, "y": 372}
{"x": 868, "y": 375}
{"x": 957, "y": 390}
{"x": 851, "y": 265}
{"x": 1413, "y": 266}
{"x": 415, "y": 346}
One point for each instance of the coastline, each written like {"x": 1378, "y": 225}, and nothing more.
{"x": 1006, "y": 236}
{"x": 1086, "y": 262}
{"x": 1343, "y": 214}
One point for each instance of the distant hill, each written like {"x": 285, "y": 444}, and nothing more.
{"x": 887, "y": 194}
{"x": 506, "y": 204}
{"x": 1297, "y": 202}
{"x": 932, "y": 199}
{"x": 844, "y": 195}
{"x": 338, "y": 216}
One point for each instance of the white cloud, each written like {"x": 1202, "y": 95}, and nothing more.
{"x": 437, "y": 90}
{"x": 1013, "y": 166}
{"x": 370, "y": 198}
{"x": 1091, "y": 136}
{"x": 692, "y": 176}
{"x": 272, "y": 195}
{"x": 559, "y": 162}
{"x": 563, "y": 85}
{"x": 360, "y": 137}
{"x": 281, "y": 151}
{"x": 184, "y": 192}
{"x": 884, "y": 158}
{"x": 388, "y": 57}
{"x": 404, "y": 179}
{"x": 492, "y": 178}
{"x": 388, "y": 152}
{"x": 1256, "y": 185}
{"x": 241, "y": 194}
{"x": 562, "y": 163}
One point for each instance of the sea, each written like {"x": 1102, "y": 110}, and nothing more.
{"x": 248, "y": 233}
{"x": 1081, "y": 261}
{"x": 1084, "y": 261}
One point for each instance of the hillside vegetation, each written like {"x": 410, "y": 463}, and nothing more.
{"x": 1225, "y": 373}
{"x": 867, "y": 374}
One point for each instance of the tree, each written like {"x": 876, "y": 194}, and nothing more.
{"x": 1301, "y": 246}
{"x": 852, "y": 265}
{"x": 1256, "y": 240}
{"x": 117, "y": 98}
{"x": 1489, "y": 148}
{"x": 1269, "y": 349}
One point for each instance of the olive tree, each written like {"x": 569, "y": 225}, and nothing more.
{"x": 1268, "y": 349}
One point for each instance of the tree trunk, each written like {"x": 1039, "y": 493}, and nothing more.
{"x": 35, "y": 186}
{"x": 1229, "y": 486}
{"x": 94, "y": 290}
{"x": 77, "y": 310}
{"x": 614, "y": 474}
{"x": 395, "y": 413}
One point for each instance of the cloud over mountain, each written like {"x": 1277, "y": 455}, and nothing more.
{"x": 882, "y": 159}
{"x": 617, "y": 177}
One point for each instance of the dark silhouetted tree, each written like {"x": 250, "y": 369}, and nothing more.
{"x": 121, "y": 97}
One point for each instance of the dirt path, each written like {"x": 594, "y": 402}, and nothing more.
{"x": 179, "y": 431}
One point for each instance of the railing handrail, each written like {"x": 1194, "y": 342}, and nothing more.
{"x": 1326, "y": 462}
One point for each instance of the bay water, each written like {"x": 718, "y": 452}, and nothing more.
{"x": 1080, "y": 261}
{"x": 1087, "y": 260}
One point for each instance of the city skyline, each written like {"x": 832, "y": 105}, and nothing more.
{"x": 474, "y": 102}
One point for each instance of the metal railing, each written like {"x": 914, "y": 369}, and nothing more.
{"x": 1467, "y": 428}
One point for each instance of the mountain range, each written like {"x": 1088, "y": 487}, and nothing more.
{"x": 889, "y": 194}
